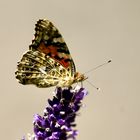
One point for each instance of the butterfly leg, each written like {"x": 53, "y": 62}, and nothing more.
{"x": 82, "y": 84}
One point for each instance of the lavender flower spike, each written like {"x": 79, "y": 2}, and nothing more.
{"x": 59, "y": 117}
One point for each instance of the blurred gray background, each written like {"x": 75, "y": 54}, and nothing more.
{"x": 95, "y": 31}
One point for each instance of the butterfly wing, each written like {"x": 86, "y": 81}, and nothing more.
{"x": 49, "y": 41}
{"x": 40, "y": 69}
{"x": 48, "y": 61}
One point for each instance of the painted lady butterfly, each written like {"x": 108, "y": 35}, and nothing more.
{"x": 48, "y": 61}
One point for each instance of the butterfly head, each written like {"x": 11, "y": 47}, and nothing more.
{"x": 78, "y": 77}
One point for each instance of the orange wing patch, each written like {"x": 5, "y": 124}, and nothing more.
{"x": 53, "y": 53}
{"x": 52, "y": 50}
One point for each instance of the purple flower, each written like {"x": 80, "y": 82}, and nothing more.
{"x": 58, "y": 121}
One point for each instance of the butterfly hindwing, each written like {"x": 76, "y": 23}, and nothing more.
{"x": 39, "y": 69}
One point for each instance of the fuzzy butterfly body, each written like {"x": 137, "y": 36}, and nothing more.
{"x": 48, "y": 61}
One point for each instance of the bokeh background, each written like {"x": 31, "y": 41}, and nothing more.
{"x": 95, "y": 31}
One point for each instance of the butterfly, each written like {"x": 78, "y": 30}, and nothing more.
{"x": 48, "y": 61}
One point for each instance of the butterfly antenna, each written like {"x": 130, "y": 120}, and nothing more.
{"x": 98, "y": 66}
{"x": 97, "y": 88}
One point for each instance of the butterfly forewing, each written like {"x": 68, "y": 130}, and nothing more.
{"x": 49, "y": 41}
